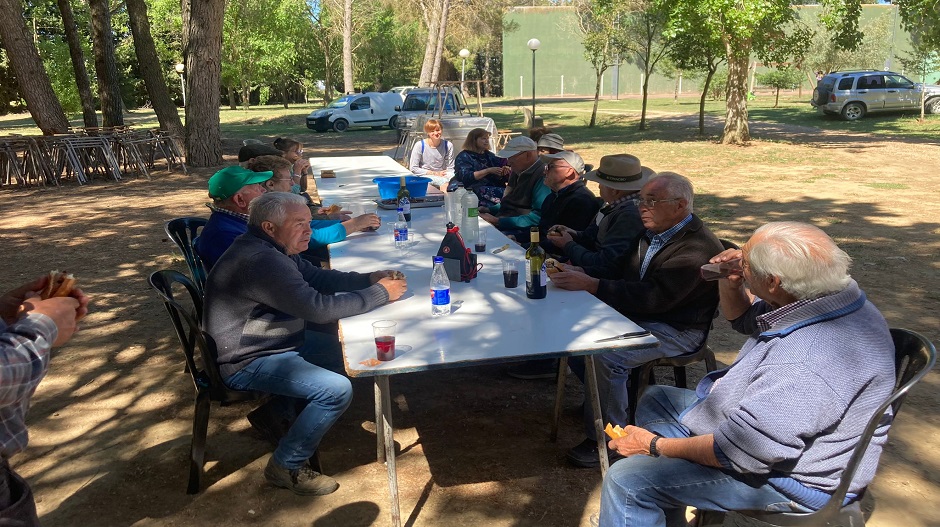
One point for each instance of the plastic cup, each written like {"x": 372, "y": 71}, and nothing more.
{"x": 480, "y": 245}
{"x": 510, "y": 274}
{"x": 715, "y": 271}
{"x": 384, "y": 332}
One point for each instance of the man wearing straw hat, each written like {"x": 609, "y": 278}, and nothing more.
{"x": 617, "y": 225}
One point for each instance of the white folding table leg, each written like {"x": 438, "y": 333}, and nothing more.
{"x": 381, "y": 382}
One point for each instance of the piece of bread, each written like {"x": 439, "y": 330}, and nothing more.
{"x": 614, "y": 432}
{"x": 397, "y": 275}
{"x": 59, "y": 284}
{"x": 552, "y": 266}
{"x": 333, "y": 209}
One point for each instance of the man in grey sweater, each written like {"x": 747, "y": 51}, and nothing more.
{"x": 259, "y": 297}
{"x": 775, "y": 430}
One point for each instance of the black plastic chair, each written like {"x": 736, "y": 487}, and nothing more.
{"x": 643, "y": 376}
{"x": 914, "y": 356}
{"x": 183, "y": 232}
{"x": 200, "y": 352}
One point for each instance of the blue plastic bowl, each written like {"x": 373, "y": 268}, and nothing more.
{"x": 389, "y": 185}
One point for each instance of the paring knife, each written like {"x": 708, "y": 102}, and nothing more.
{"x": 634, "y": 334}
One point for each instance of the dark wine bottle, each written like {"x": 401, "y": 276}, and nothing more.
{"x": 536, "y": 278}
{"x": 404, "y": 199}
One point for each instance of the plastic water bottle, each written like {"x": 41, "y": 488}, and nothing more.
{"x": 401, "y": 230}
{"x": 457, "y": 213}
{"x": 440, "y": 289}
{"x": 469, "y": 221}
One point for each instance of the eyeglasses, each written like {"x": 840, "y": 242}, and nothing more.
{"x": 650, "y": 203}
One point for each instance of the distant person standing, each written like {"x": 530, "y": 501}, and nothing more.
{"x": 29, "y": 328}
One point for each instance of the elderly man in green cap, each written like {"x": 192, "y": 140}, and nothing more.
{"x": 232, "y": 189}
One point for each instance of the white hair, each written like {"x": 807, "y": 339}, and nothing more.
{"x": 677, "y": 186}
{"x": 807, "y": 261}
{"x": 272, "y": 206}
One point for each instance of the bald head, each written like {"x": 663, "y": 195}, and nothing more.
{"x": 805, "y": 259}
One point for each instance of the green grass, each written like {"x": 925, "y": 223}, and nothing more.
{"x": 887, "y": 186}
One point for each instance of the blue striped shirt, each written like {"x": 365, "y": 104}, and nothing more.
{"x": 658, "y": 241}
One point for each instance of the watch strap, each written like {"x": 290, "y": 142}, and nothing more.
{"x": 653, "y": 450}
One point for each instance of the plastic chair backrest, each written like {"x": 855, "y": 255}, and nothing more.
{"x": 187, "y": 323}
{"x": 183, "y": 232}
{"x": 914, "y": 356}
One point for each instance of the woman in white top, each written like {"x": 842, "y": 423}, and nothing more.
{"x": 433, "y": 157}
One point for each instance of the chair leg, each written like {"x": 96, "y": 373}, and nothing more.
{"x": 197, "y": 451}
{"x": 679, "y": 373}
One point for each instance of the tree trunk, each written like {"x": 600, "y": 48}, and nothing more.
{"x": 646, "y": 91}
{"x": 89, "y": 117}
{"x": 597, "y": 96}
{"x": 150, "y": 70}
{"x": 736, "y": 128}
{"x": 348, "y": 85}
{"x": 203, "y": 67}
{"x": 109, "y": 80}
{"x": 701, "y": 103}
{"x": 439, "y": 50}
{"x": 232, "y": 101}
{"x": 31, "y": 76}
{"x": 777, "y": 98}
{"x": 430, "y": 46}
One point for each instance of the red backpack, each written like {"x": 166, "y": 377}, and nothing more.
{"x": 453, "y": 248}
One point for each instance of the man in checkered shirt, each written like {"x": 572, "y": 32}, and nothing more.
{"x": 29, "y": 328}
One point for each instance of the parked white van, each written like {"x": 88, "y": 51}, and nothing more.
{"x": 358, "y": 109}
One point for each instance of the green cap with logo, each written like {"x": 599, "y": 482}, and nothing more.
{"x": 227, "y": 182}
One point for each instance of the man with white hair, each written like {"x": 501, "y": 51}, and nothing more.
{"x": 259, "y": 297}
{"x": 775, "y": 430}
{"x": 658, "y": 285}
{"x": 521, "y": 205}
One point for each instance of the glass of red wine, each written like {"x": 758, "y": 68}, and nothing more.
{"x": 384, "y": 331}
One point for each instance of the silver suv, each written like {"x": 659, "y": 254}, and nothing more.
{"x": 852, "y": 94}
{"x": 433, "y": 102}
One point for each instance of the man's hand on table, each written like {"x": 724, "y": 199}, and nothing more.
{"x": 362, "y": 222}
{"x": 395, "y": 287}
{"x": 489, "y": 218}
{"x": 573, "y": 279}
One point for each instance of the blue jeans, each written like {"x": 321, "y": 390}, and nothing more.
{"x": 646, "y": 491}
{"x": 294, "y": 377}
{"x": 613, "y": 371}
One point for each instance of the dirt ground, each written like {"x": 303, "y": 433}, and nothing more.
{"x": 110, "y": 425}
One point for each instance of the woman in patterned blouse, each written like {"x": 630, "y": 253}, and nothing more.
{"x": 479, "y": 170}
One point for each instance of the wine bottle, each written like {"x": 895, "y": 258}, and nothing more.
{"x": 404, "y": 199}
{"x": 536, "y": 279}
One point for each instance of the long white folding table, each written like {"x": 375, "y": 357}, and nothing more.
{"x": 488, "y": 323}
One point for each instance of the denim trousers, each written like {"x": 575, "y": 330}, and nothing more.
{"x": 648, "y": 492}
{"x": 295, "y": 379}
{"x": 613, "y": 371}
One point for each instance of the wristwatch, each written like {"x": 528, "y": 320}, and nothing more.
{"x": 653, "y": 451}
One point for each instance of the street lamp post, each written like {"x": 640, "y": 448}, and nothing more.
{"x": 180, "y": 69}
{"x": 533, "y": 44}
{"x": 464, "y": 53}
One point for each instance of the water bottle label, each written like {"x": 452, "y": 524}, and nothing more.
{"x": 543, "y": 276}
{"x": 473, "y": 213}
{"x": 405, "y": 207}
{"x": 401, "y": 235}
{"x": 440, "y": 297}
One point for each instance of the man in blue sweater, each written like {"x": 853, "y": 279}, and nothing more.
{"x": 259, "y": 298}
{"x": 232, "y": 189}
{"x": 774, "y": 430}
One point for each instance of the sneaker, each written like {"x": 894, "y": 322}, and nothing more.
{"x": 270, "y": 427}
{"x": 584, "y": 455}
{"x": 303, "y": 481}
{"x": 534, "y": 369}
